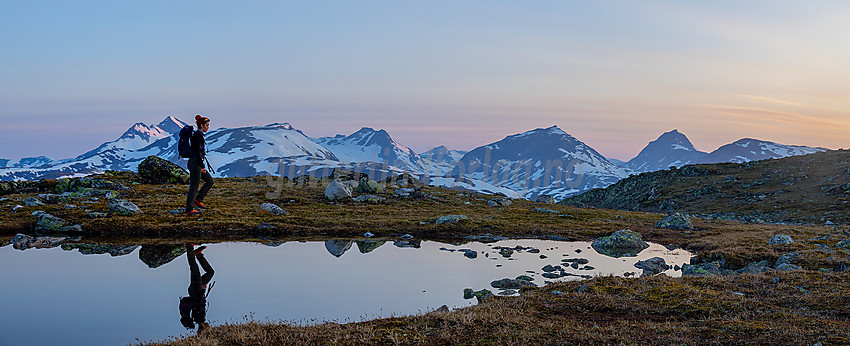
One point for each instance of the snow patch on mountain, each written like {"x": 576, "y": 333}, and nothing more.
{"x": 749, "y": 149}
{"x": 369, "y": 145}
{"x": 540, "y": 161}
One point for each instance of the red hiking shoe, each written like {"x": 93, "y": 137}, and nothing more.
{"x": 193, "y": 212}
{"x": 199, "y": 204}
{"x": 199, "y": 250}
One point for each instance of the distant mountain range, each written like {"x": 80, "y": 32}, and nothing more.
{"x": 546, "y": 161}
{"x": 673, "y": 149}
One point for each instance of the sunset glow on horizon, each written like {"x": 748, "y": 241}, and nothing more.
{"x": 615, "y": 75}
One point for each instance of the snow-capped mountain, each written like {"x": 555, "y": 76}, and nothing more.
{"x": 274, "y": 149}
{"x": 440, "y": 160}
{"x": 136, "y": 137}
{"x": 541, "y": 161}
{"x": 670, "y": 149}
{"x": 369, "y": 145}
{"x": 28, "y": 162}
{"x": 748, "y": 149}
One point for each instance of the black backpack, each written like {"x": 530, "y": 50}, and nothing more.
{"x": 184, "y": 146}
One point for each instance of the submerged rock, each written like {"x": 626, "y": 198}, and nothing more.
{"x": 336, "y": 190}
{"x": 781, "y": 239}
{"x": 123, "y": 207}
{"x": 507, "y": 283}
{"x": 622, "y": 243}
{"x": 652, "y": 266}
{"x": 676, "y": 221}
{"x": 156, "y": 170}
{"x": 471, "y": 254}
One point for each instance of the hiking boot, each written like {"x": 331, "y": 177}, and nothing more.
{"x": 193, "y": 212}
{"x": 199, "y": 250}
{"x": 200, "y": 205}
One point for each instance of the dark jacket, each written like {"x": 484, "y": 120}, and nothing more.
{"x": 199, "y": 144}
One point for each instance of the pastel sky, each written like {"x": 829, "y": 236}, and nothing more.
{"x": 614, "y": 74}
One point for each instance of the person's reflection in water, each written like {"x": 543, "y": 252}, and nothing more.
{"x": 193, "y": 309}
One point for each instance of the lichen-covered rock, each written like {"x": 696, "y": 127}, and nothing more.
{"x": 123, "y": 207}
{"x": 787, "y": 258}
{"x": 49, "y": 223}
{"x": 507, "y": 283}
{"x": 546, "y": 211}
{"x": 788, "y": 267}
{"x": 155, "y": 170}
{"x": 157, "y": 255}
{"x": 346, "y": 175}
{"x": 756, "y": 268}
{"x": 652, "y": 266}
{"x": 622, "y": 243}
{"x": 405, "y": 179}
{"x": 546, "y": 199}
{"x": 273, "y": 209}
{"x": 499, "y": 202}
{"x": 32, "y": 202}
{"x": 336, "y": 191}
{"x": 781, "y": 239}
{"x": 370, "y": 186}
{"x": 405, "y": 192}
{"x": 451, "y": 219}
{"x": 694, "y": 270}
{"x": 369, "y": 199}
{"x": 676, "y": 221}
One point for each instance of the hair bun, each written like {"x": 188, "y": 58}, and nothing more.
{"x": 198, "y": 117}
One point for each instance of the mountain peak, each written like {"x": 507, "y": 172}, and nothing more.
{"x": 672, "y": 148}
{"x": 285, "y": 126}
{"x": 171, "y": 124}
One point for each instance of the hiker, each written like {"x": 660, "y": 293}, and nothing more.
{"x": 197, "y": 171}
{"x": 193, "y": 309}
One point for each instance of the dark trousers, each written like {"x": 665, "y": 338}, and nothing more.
{"x": 196, "y": 280}
{"x": 195, "y": 176}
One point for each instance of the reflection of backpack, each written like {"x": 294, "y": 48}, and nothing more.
{"x": 186, "y": 305}
{"x": 184, "y": 147}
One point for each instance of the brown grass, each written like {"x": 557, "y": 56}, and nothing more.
{"x": 653, "y": 310}
{"x": 650, "y": 310}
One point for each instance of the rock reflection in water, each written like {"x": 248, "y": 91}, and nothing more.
{"x": 338, "y": 247}
{"x": 154, "y": 256}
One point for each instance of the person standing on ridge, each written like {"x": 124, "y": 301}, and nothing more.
{"x": 197, "y": 171}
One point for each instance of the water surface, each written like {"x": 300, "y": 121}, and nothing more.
{"x": 54, "y": 296}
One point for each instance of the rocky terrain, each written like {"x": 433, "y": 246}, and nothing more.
{"x": 802, "y": 262}
{"x": 807, "y": 189}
